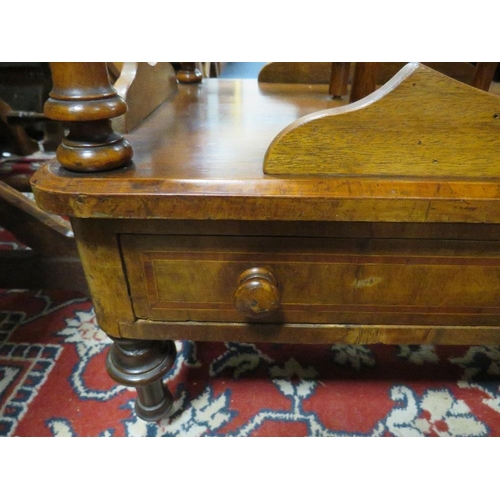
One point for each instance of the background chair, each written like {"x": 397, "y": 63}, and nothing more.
{"x": 357, "y": 80}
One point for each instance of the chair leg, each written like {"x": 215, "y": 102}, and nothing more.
{"x": 364, "y": 81}
{"x": 339, "y": 79}
{"x": 483, "y": 76}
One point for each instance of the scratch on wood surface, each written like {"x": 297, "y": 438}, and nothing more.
{"x": 367, "y": 282}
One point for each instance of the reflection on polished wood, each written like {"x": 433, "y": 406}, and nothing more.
{"x": 232, "y": 124}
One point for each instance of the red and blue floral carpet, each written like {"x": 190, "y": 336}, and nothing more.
{"x": 53, "y": 383}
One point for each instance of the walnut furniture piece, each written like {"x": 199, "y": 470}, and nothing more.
{"x": 266, "y": 213}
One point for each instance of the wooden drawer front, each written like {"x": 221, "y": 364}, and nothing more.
{"x": 320, "y": 280}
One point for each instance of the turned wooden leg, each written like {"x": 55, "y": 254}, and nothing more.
{"x": 189, "y": 73}
{"x": 142, "y": 364}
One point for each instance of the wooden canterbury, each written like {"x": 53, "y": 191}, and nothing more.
{"x": 394, "y": 241}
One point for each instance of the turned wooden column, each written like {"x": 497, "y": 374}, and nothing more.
{"x": 189, "y": 73}
{"x": 84, "y": 99}
{"x": 142, "y": 364}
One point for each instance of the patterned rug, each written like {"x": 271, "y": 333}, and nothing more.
{"x": 53, "y": 383}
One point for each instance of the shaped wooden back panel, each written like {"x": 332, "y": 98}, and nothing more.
{"x": 420, "y": 124}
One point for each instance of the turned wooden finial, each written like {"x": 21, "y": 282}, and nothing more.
{"x": 83, "y": 97}
{"x": 189, "y": 73}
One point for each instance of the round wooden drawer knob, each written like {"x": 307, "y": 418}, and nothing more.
{"x": 257, "y": 294}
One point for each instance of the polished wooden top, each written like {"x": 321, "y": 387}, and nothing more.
{"x": 200, "y": 156}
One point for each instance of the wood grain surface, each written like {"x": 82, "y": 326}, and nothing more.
{"x": 320, "y": 280}
{"x": 102, "y": 263}
{"x": 420, "y": 124}
{"x": 160, "y": 270}
{"x": 143, "y": 86}
{"x": 310, "y": 333}
{"x": 232, "y": 124}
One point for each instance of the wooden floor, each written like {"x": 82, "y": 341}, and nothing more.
{"x": 495, "y": 88}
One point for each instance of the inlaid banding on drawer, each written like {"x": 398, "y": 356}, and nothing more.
{"x": 323, "y": 280}
{"x": 321, "y": 258}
